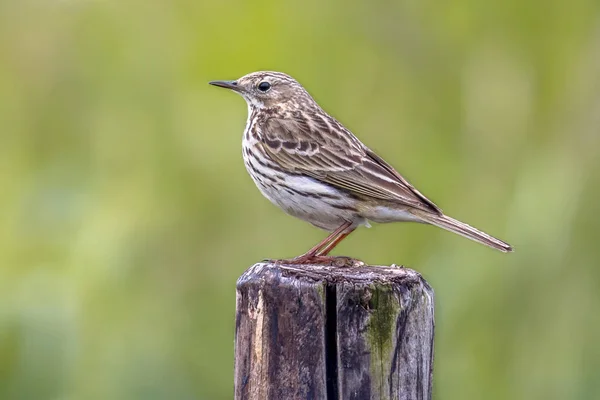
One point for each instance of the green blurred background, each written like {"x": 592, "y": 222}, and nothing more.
{"x": 126, "y": 214}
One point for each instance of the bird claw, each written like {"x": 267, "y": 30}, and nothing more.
{"x": 331, "y": 261}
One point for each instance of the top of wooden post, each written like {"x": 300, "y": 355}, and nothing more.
{"x": 332, "y": 274}
{"x": 330, "y": 332}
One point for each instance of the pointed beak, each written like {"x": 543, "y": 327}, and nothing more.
{"x": 233, "y": 85}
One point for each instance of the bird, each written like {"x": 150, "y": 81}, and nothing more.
{"x": 312, "y": 167}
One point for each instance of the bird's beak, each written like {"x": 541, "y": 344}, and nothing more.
{"x": 233, "y": 85}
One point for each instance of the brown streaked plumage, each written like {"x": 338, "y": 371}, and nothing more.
{"x": 307, "y": 163}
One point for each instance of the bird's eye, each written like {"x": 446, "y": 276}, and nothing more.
{"x": 264, "y": 86}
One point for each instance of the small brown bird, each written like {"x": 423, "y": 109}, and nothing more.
{"x": 305, "y": 162}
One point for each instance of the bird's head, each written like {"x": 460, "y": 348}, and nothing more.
{"x": 266, "y": 89}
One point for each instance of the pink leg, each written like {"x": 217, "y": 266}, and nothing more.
{"x": 334, "y": 243}
{"x": 333, "y": 236}
{"x": 318, "y": 254}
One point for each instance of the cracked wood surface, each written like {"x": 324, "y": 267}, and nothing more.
{"x": 333, "y": 333}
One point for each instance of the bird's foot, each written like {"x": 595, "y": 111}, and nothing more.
{"x": 332, "y": 261}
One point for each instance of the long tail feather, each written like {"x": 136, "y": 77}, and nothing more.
{"x": 453, "y": 225}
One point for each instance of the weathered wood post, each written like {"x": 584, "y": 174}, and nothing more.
{"x": 333, "y": 333}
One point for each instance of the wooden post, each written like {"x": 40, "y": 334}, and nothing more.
{"x": 333, "y": 333}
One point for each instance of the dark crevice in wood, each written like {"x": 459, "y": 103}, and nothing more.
{"x": 331, "y": 348}
{"x": 401, "y": 339}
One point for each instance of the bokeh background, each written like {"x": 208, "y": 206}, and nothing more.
{"x": 126, "y": 214}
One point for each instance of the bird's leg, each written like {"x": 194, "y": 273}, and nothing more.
{"x": 318, "y": 254}
{"x": 327, "y": 249}
{"x": 333, "y": 236}
{"x": 322, "y": 256}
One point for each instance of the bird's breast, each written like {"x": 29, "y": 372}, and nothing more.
{"x": 297, "y": 194}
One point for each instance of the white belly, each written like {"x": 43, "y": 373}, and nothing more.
{"x": 311, "y": 201}
{"x": 304, "y": 197}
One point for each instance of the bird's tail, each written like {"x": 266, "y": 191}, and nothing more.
{"x": 453, "y": 225}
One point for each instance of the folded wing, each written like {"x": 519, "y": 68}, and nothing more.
{"x": 320, "y": 147}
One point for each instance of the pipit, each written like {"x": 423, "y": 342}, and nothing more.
{"x": 309, "y": 165}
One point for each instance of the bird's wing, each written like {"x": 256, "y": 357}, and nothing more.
{"x": 324, "y": 150}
